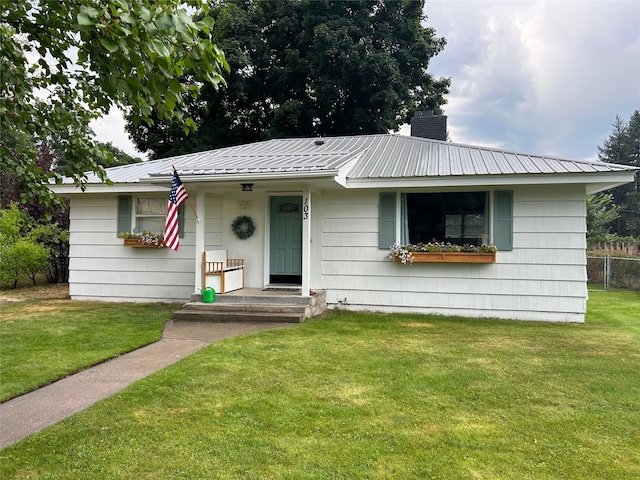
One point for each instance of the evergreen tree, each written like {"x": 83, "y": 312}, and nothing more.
{"x": 633, "y": 139}
{"x": 601, "y": 212}
{"x": 623, "y": 147}
{"x": 307, "y": 68}
{"x": 614, "y": 149}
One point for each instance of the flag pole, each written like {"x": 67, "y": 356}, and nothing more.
{"x": 188, "y": 198}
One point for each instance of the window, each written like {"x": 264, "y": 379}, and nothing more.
{"x": 458, "y": 218}
{"x": 145, "y": 213}
{"x": 447, "y": 217}
{"x": 149, "y": 214}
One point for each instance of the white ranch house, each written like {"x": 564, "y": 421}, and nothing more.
{"x": 327, "y": 210}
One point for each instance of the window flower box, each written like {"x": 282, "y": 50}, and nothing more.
{"x": 142, "y": 240}
{"x": 442, "y": 253}
{"x": 451, "y": 257}
{"x": 137, "y": 243}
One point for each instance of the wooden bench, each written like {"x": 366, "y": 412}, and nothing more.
{"x": 221, "y": 273}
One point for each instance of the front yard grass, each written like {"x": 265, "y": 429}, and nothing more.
{"x": 357, "y": 395}
{"x": 44, "y": 340}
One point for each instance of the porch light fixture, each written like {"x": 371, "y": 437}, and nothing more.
{"x": 247, "y": 187}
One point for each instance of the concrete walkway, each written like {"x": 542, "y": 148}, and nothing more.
{"x": 46, "y": 406}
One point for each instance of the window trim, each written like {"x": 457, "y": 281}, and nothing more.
{"x": 126, "y": 216}
{"x": 135, "y": 216}
{"x": 499, "y": 218}
{"x": 448, "y": 205}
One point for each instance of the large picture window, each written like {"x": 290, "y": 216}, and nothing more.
{"x": 458, "y": 218}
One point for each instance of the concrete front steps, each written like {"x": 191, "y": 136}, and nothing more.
{"x": 254, "y": 305}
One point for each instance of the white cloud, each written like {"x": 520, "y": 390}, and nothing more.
{"x": 542, "y": 77}
{"x": 110, "y": 128}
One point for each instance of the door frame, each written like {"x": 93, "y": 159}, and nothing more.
{"x": 268, "y": 251}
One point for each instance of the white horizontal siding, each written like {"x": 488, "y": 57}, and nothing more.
{"x": 213, "y": 222}
{"x": 343, "y": 225}
{"x": 543, "y": 278}
{"x": 350, "y": 239}
{"x": 350, "y": 222}
{"x": 135, "y": 278}
{"x": 101, "y": 268}
{"x": 441, "y": 283}
{"x": 526, "y": 224}
{"x": 548, "y": 240}
{"x": 456, "y": 271}
{"x": 137, "y": 264}
{"x": 254, "y": 205}
{"x": 531, "y": 307}
{"x": 125, "y": 293}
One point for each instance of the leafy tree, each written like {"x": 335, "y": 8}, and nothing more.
{"x": 623, "y": 147}
{"x": 20, "y": 254}
{"x": 10, "y": 182}
{"x": 64, "y": 63}
{"x": 22, "y": 258}
{"x": 13, "y": 223}
{"x": 307, "y": 68}
{"x": 120, "y": 157}
{"x": 54, "y": 235}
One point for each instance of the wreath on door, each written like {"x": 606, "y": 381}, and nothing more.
{"x": 243, "y": 227}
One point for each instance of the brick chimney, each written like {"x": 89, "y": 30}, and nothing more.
{"x": 429, "y": 124}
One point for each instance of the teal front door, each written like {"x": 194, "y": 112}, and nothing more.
{"x": 286, "y": 240}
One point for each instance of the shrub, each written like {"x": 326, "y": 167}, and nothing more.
{"x": 27, "y": 248}
{"x": 21, "y": 258}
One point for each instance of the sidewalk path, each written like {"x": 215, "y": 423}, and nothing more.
{"x": 41, "y": 408}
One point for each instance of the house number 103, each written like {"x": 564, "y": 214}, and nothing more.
{"x": 305, "y": 209}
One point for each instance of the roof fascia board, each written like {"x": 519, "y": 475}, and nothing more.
{"x": 611, "y": 179}
{"x": 69, "y": 189}
{"x": 599, "y": 187}
{"x": 187, "y": 178}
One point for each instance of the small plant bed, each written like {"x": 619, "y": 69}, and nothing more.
{"x": 442, "y": 253}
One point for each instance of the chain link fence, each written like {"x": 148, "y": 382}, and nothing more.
{"x": 608, "y": 272}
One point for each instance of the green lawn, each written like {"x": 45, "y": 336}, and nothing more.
{"x": 44, "y": 340}
{"x": 372, "y": 396}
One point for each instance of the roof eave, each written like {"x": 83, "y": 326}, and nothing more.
{"x": 72, "y": 189}
{"x": 239, "y": 177}
{"x": 161, "y": 183}
{"x": 595, "y": 181}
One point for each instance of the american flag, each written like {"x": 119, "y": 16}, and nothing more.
{"x": 177, "y": 196}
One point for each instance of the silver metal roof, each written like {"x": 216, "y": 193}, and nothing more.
{"x": 374, "y": 157}
{"x": 394, "y": 156}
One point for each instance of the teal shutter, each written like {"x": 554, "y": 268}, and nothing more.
{"x": 503, "y": 219}
{"x": 124, "y": 214}
{"x": 387, "y": 220}
{"x": 181, "y": 220}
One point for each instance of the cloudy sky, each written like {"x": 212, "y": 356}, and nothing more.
{"x": 545, "y": 77}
